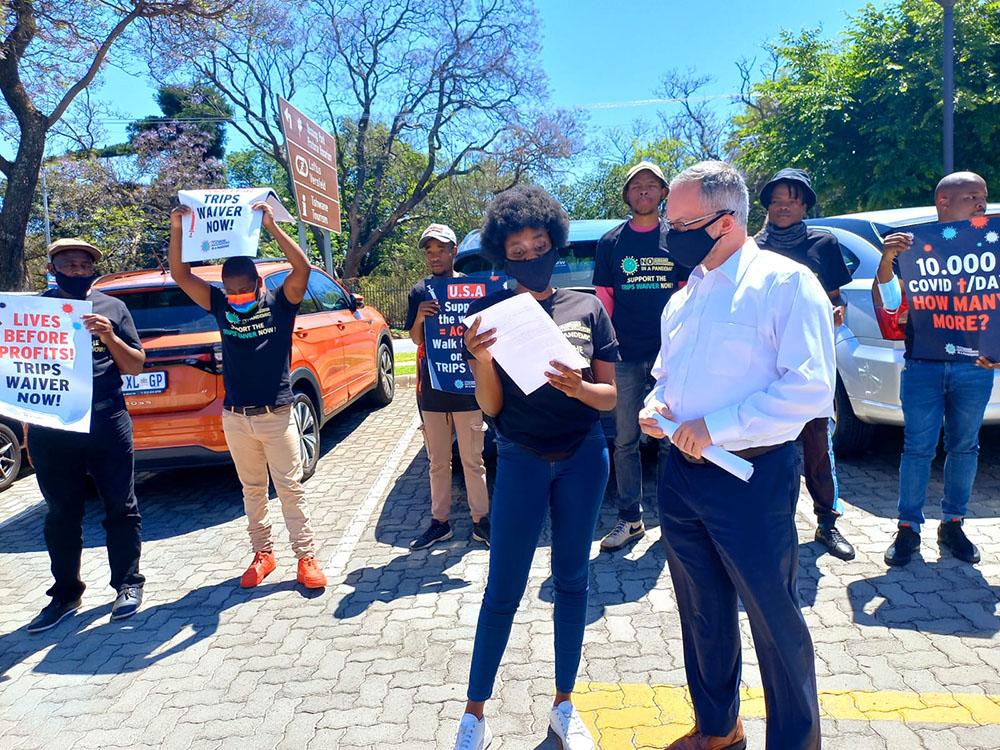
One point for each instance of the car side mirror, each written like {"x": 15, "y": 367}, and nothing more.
{"x": 359, "y": 300}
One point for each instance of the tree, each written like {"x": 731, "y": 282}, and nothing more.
{"x": 864, "y": 114}
{"x": 198, "y": 107}
{"x": 455, "y": 82}
{"x": 52, "y": 50}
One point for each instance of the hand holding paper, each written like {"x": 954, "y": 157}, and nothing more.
{"x": 527, "y": 340}
{"x": 735, "y": 465}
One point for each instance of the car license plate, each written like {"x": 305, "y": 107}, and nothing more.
{"x": 154, "y": 381}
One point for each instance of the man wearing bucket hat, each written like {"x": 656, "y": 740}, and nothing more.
{"x": 788, "y": 196}
{"x": 63, "y": 460}
{"x": 634, "y": 277}
{"x": 444, "y": 413}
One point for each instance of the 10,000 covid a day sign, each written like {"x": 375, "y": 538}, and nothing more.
{"x": 952, "y": 283}
{"x": 46, "y": 361}
{"x": 223, "y": 224}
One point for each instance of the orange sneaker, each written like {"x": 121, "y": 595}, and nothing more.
{"x": 310, "y": 575}
{"x": 263, "y": 563}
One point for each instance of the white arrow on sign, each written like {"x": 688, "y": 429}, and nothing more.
{"x": 288, "y": 116}
{"x": 299, "y": 123}
{"x": 304, "y": 213}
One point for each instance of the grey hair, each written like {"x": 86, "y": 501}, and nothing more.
{"x": 722, "y": 188}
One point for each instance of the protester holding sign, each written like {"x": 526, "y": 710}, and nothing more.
{"x": 746, "y": 360}
{"x": 63, "y": 460}
{"x": 634, "y": 277}
{"x": 257, "y": 417}
{"x": 552, "y": 456}
{"x": 444, "y": 413}
{"x": 788, "y": 196}
{"x": 940, "y": 385}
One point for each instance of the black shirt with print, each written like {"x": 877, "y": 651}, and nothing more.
{"x": 636, "y": 266}
{"x": 256, "y": 349}
{"x": 547, "y": 421}
{"x": 107, "y": 376}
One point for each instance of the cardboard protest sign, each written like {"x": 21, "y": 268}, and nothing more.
{"x": 953, "y": 286}
{"x": 443, "y": 333}
{"x": 46, "y": 369}
{"x": 222, "y": 223}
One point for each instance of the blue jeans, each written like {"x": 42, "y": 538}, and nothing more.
{"x": 634, "y": 383}
{"x": 955, "y": 394}
{"x": 527, "y": 487}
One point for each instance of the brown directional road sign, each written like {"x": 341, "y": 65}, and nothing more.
{"x": 312, "y": 164}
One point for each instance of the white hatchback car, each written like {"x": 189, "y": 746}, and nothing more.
{"x": 868, "y": 363}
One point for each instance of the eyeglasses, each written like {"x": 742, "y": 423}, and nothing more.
{"x": 683, "y": 226}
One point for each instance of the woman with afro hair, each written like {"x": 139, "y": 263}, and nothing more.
{"x": 552, "y": 456}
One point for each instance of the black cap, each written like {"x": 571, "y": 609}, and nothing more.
{"x": 798, "y": 176}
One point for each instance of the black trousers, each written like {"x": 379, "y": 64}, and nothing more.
{"x": 725, "y": 539}
{"x": 62, "y": 462}
{"x": 820, "y": 470}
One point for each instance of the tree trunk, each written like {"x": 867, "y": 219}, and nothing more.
{"x": 17, "y": 201}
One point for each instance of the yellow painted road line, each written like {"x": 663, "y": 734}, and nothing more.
{"x": 623, "y": 716}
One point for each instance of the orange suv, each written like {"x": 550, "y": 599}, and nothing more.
{"x": 341, "y": 351}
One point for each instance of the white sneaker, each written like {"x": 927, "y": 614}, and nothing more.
{"x": 623, "y": 533}
{"x": 569, "y": 728}
{"x": 473, "y": 734}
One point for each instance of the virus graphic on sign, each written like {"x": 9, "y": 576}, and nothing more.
{"x": 205, "y": 247}
{"x": 949, "y": 348}
{"x": 979, "y": 222}
{"x": 630, "y": 265}
{"x": 992, "y": 237}
{"x": 949, "y": 233}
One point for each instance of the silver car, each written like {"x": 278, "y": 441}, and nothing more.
{"x": 868, "y": 365}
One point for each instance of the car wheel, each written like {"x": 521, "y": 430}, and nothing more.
{"x": 307, "y": 424}
{"x": 385, "y": 387}
{"x": 10, "y": 457}
{"x": 851, "y": 436}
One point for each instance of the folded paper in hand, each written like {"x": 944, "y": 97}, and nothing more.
{"x": 527, "y": 339}
{"x": 738, "y": 467}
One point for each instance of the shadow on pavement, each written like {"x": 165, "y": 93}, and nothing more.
{"x": 134, "y": 644}
{"x": 946, "y": 597}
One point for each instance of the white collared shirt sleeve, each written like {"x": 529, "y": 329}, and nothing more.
{"x": 806, "y": 368}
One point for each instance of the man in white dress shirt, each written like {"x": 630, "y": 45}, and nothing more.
{"x": 746, "y": 359}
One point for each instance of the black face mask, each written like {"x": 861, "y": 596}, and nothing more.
{"x": 690, "y": 248}
{"x": 533, "y": 274}
{"x": 75, "y": 286}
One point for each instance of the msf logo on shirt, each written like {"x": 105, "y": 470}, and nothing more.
{"x": 466, "y": 291}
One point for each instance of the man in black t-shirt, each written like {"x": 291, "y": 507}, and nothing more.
{"x": 63, "y": 460}
{"x": 788, "y": 198}
{"x": 634, "y": 277}
{"x": 445, "y": 413}
{"x": 256, "y": 328}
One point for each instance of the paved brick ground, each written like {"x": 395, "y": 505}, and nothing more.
{"x": 380, "y": 659}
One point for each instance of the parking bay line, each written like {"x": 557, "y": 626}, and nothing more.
{"x": 634, "y": 715}
{"x": 345, "y": 547}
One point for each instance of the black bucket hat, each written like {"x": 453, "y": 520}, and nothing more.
{"x": 799, "y": 177}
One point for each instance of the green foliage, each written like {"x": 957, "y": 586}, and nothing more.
{"x": 196, "y": 107}
{"x": 864, "y": 114}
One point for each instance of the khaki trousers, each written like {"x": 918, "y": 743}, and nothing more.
{"x": 267, "y": 443}
{"x": 469, "y": 428}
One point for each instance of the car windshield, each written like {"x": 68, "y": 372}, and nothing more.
{"x": 165, "y": 311}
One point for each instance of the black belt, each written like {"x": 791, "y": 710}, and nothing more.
{"x": 256, "y": 411}
{"x": 746, "y": 453}
{"x": 107, "y": 403}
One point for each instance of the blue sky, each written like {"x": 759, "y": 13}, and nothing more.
{"x": 597, "y": 52}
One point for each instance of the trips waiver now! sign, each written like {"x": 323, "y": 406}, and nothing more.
{"x": 952, "y": 282}
{"x": 443, "y": 334}
{"x": 46, "y": 366}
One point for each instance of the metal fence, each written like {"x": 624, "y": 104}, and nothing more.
{"x": 388, "y": 296}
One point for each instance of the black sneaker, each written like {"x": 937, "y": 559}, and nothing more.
{"x": 952, "y": 536}
{"x": 835, "y": 542}
{"x": 481, "y": 531}
{"x": 438, "y": 531}
{"x": 128, "y": 602}
{"x": 906, "y": 542}
{"x": 54, "y": 611}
